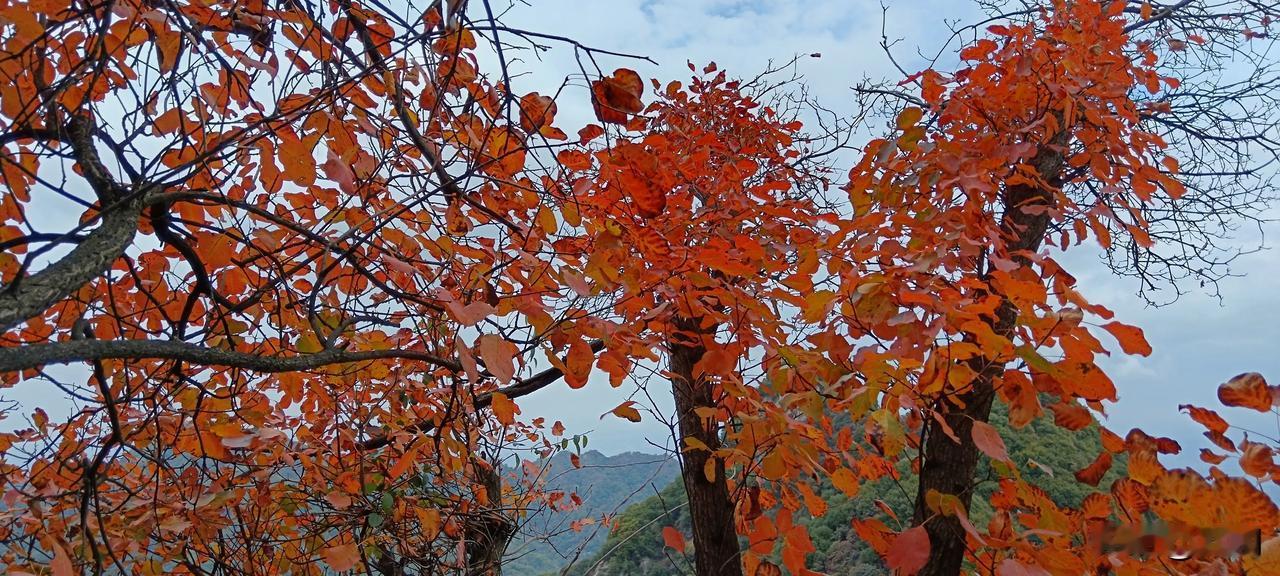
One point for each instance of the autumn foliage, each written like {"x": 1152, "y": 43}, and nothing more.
{"x": 313, "y": 256}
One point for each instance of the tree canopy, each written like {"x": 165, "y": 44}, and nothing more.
{"x": 313, "y": 254}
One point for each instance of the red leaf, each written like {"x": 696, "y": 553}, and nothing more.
{"x": 1093, "y": 473}
{"x": 909, "y": 551}
{"x": 988, "y": 440}
{"x": 589, "y": 132}
{"x": 673, "y": 538}
{"x": 1011, "y": 567}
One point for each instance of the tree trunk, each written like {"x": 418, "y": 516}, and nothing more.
{"x": 715, "y": 539}
{"x": 488, "y": 530}
{"x": 948, "y": 467}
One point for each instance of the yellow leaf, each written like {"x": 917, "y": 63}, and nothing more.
{"x": 627, "y": 411}
{"x": 909, "y": 117}
{"x": 845, "y": 481}
{"x": 815, "y": 305}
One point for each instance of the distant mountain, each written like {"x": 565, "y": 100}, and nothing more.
{"x": 606, "y": 484}
{"x": 636, "y": 547}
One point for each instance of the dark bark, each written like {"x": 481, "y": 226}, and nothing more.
{"x": 488, "y": 531}
{"x": 715, "y": 539}
{"x": 30, "y": 296}
{"x": 37, "y": 355}
{"x": 948, "y": 467}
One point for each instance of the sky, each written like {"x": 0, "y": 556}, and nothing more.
{"x": 1199, "y": 341}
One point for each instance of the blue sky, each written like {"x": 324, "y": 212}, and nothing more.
{"x": 1199, "y": 341}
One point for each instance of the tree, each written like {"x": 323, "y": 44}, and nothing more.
{"x": 697, "y": 227}
{"x": 305, "y": 247}
{"x": 1084, "y": 169}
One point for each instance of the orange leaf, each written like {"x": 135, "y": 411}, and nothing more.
{"x": 1071, "y": 416}
{"x": 1131, "y": 339}
{"x": 1207, "y": 418}
{"x": 1110, "y": 441}
{"x": 627, "y": 411}
{"x": 812, "y": 501}
{"x": 455, "y": 41}
{"x": 406, "y": 461}
{"x": 536, "y": 111}
{"x": 498, "y": 356}
{"x": 341, "y": 558}
{"x": 616, "y": 96}
{"x": 767, "y": 568}
{"x": 909, "y": 551}
{"x": 1211, "y": 457}
{"x": 988, "y": 440}
{"x": 650, "y": 200}
{"x": 845, "y": 481}
{"x": 578, "y": 364}
{"x": 1248, "y": 390}
{"x": 1244, "y": 506}
{"x": 1255, "y": 459}
{"x": 1131, "y": 496}
{"x": 504, "y": 409}
{"x": 673, "y": 538}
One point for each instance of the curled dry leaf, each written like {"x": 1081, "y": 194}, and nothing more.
{"x": 617, "y": 96}
{"x": 1248, "y": 390}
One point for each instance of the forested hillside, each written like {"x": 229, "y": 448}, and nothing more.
{"x": 1052, "y": 454}
{"x": 605, "y": 484}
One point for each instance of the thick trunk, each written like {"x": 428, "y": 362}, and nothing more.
{"x": 488, "y": 531}
{"x": 715, "y": 539}
{"x": 948, "y": 467}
